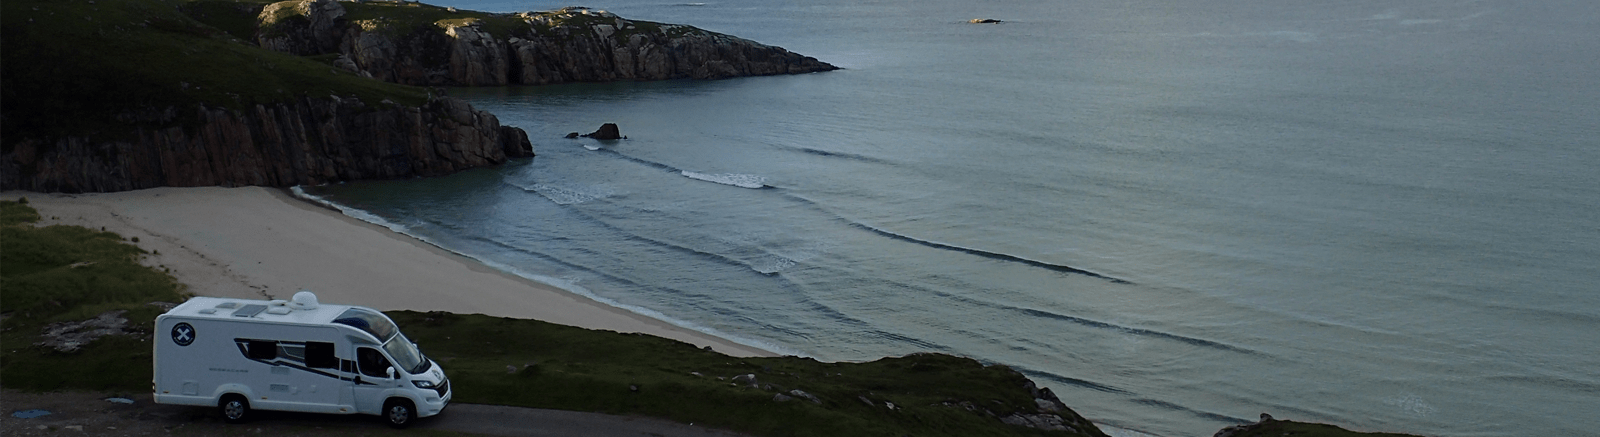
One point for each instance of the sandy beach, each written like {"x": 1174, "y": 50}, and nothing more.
{"x": 262, "y": 243}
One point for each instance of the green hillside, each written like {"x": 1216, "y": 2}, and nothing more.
{"x": 85, "y": 67}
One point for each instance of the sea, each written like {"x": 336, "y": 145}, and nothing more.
{"x": 1176, "y": 215}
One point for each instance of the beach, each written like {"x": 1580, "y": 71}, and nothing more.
{"x": 262, "y": 243}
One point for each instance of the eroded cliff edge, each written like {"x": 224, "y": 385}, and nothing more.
{"x": 418, "y": 44}
{"x": 304, "y": 141}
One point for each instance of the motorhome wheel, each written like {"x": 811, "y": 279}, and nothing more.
{"x": 399, "y": 412}
{"x": 235, "y": 409}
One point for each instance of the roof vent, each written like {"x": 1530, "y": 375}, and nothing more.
{"x": 304, "y": 300}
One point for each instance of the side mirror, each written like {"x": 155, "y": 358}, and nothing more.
{"x": 390, "y": 371}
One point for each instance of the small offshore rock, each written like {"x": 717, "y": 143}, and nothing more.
{"x": 984, "y": 21}
{"x": 573, "y": 135}
{"x": 607, "y": 131}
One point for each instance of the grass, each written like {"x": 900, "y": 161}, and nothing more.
{"x": 400, "y": 19}
{"x": 554, "y": 366}
{"x": 85, "y": 69}
{"x": 237, "y": 18}
{"x": 67, "y": 273}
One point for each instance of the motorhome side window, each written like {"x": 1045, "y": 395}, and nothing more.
{"x": 262, "y": 349}
{"x": 293, "y": 351}
{"x": 319, "y": 355}
{"x": 372, "y": 362}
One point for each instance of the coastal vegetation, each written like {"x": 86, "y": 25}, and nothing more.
{"x": 91, "y": 67}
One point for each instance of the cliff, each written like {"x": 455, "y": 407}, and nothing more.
{"x": 417, "y": 44}
{"x": 306, "y": 141}
{"x": 127, "y": 94}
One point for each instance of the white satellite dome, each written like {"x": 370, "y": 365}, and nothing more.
{"x": 304, "y": 300}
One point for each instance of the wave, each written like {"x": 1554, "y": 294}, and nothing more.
{"x": 734, "y": 179}
{"x": 1136, "y": 331}
{"x": 351, "y": 212}
{"x": 832, "y": 154}
{"x": 562, "y": 195}
{"x": 1203, "y": 414}
{"x": 730, "y": 179}
{"x": 767, "y": 264}
{"x": 986, "y": 254}
{"x": 566, "y": 285}
{"x": 758, "y": 182}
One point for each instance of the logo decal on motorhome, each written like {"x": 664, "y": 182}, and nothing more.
{"x": 182, "y": 334}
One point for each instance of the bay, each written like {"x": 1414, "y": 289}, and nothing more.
{"x": 1379, "y": 214}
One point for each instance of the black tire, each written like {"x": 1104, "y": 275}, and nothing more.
{"x": 399, "y": 413}
{"x": 235, "y": 409}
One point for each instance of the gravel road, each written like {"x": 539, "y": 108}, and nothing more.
{"x": 90, "y": 414}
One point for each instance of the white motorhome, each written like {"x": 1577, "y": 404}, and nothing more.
{"x": 297, "y": 355}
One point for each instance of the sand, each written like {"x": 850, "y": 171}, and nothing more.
{"x": 262, "y": 243}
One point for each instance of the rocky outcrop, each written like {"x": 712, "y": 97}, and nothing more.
{"x": 307, "y": 141}
{"x": 568, "y": 45}
{"x": 606, "y": 131}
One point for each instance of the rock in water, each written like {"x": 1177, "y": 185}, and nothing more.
{"x": 984, "y": 21}
{"x": 607, "y": 131}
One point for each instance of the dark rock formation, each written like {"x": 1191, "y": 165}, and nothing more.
{"x": 606, "y": 131}
{"x": 568, "y": 45}
{"x": 1269, "y": 427}
{"x": 984, "y": 21}
{"x": 308, "y": 141}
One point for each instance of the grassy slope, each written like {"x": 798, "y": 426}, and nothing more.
{"x": 72, "y": 67}
{"x": 571, "y": 368}
{"x": 68, "y": 273}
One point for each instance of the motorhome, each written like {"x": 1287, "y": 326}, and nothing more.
{"x": 299, "y": 355}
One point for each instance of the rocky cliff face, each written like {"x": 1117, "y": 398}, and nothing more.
{"x": 309, "y": 141}
{"x": 419, "y": 46}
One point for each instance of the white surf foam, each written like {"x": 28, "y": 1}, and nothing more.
{"x": 563, "y": 196}
{"x": 351, "y": 212}
{"x": 733, "y": 179}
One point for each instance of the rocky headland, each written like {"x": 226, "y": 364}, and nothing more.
{"x": 127, "y": 94}
{"x": 417, "y": 44}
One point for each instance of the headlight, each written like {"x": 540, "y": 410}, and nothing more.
{"x": 423, "y": 384}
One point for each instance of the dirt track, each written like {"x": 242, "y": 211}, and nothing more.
{"x": 90, "y": 414}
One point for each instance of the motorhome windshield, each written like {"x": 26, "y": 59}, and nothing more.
{"x": 370, "y": 321}
{"x": 406, "y": 355}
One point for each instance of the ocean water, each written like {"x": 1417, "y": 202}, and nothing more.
{"x": 1177, "y": 215}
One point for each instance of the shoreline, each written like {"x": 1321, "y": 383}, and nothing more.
{"x": 265, "y": 243}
